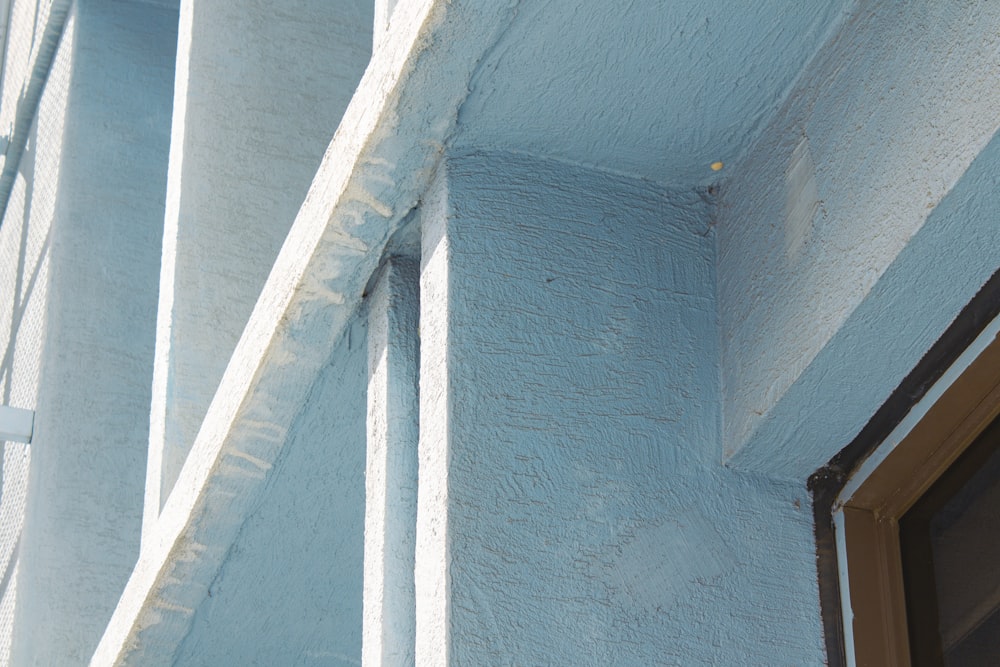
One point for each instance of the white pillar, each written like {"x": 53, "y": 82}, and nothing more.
{"x": 259, "y": 92}
{"x": 431, "y": 561}
{"x": 391, "y": 471}
{"x": 96, "y": 167}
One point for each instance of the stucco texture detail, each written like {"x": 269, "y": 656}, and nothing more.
{"x": 584, "y": 521}
{"x": 290, "y": 590}
{"x": 918, "y": 295}
{"x": 882, "y": 156}
{"x": 252, "y": 128}
{"x": 93, "y": 190}
{"x": 391, "y": 465}
{"x": 663, "y": 260}
{"x": 593, "y": 83}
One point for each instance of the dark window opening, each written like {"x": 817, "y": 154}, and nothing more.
{"x": 950, "y": 548}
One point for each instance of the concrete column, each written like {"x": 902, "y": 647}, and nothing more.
{"x": 568, "y": 382}
{"x": 431, "y": 560}
{"x": 95, "y": 170}
{"x": 391, "y": 474}
{"x": 259, "y": 92}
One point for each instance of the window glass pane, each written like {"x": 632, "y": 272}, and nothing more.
{"x": 950, "y": 542}
{"x": 965, "y": 543}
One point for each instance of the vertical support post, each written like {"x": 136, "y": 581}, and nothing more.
{"x": 257, "y": 98}
{"x": 431, "y": 563}
{"x": 391, "y": 469}
{"x": 93, "y": 186}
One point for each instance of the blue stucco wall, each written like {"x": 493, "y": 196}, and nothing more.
{"x": 658, "y": 90}
{"x": 874, "y": 135}
{"x": 625, "y": 383}
{"x": 290, "y": 590}
{"x": 588, "y": 519}
{"x": 919, "y": 294}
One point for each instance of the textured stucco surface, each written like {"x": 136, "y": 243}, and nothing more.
{"x": 432, "y": 602}
{"x": 582, "y": 372}
{"x": 890, "y": 115}
{"x": 919, "y": 294}
{"x": 569, "y": 427}
{"x": 653, "y": 89}
{"x": 99, "y": 177}
{"x": 372, "y": 174}
{"x": 290, "y": 591}
{"x": 391, "y": 465}
{"x": 251, "y": 126}
{"x": 24, "y": 264}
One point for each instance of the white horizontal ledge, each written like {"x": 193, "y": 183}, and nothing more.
{"x": 379, "y": 162}
{"x": 16, "y": 424}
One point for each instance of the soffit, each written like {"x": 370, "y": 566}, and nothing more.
{"x": 655, "y": 89}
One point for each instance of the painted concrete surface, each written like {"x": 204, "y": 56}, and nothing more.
{"x": 654, "y": 89}
{"x": 24, "y": 264}
{"x": 374, "y": 171}
{"x": 569, "y": 420}
{"x": 251, "y": 124}
{"x": 432, "y": 602}
{"x": 572, "y": 507}
{"x": 928, "y": 283}
{"x": 290, "y": 591}
{"x": 391, "y": 465}
{"x": 100, "y": 172}
{"x": 383, "y": 16}
{"x": 887, "y": 119}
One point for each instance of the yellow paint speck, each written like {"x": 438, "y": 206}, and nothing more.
{"x": 717, "y": 166}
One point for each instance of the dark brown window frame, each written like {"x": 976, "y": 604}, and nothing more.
{"x": 938, "y": 410}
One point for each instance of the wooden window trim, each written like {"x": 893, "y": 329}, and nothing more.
{"x": 827, "y": 483}
{"x": 928, "y": 641}
{"x": 866, "y": 512}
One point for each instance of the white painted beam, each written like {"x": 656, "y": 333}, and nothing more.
{"x": 391, "y": 470}
{"x": 380, "y": 161}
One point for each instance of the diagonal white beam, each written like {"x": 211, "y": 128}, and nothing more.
{"x": 378, "y": 163}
